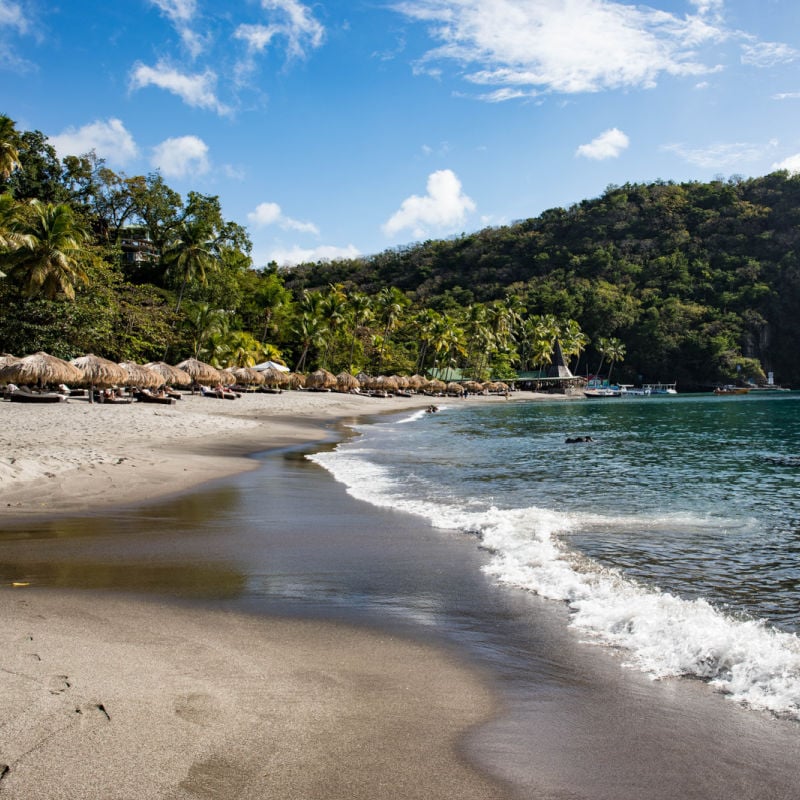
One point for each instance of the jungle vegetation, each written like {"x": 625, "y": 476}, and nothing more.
{"x": 697, "y": 283}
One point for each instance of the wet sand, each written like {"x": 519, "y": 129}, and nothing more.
{"x": 112, "y": 696}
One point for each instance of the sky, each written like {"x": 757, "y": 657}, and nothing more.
{"x": 339, "y": 129}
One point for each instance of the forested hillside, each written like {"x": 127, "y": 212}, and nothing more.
{"x": 694, "y": 278}
{"x": 697, "y": 283}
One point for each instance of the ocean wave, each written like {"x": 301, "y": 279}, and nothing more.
{"x": 661, "y": 634}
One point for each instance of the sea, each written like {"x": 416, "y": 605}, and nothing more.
{"x": 673, "y": 536}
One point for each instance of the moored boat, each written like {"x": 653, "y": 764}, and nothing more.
{"x": 731, "y": 390}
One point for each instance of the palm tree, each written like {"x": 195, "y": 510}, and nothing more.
{"x": 9, "y": 155}
{"x": 360, "y": 310}
{"x": 390, "y": 304}
{"x": 311, "y": 332}
{"x": 190, "y": 254}
{"x": 204, "y": 322}
{"x": 425, "y": 322}
{"x": 573, "y": 341}
{"x": 614, "y": 350}
{"x": 245, "y": 350}
{"x": 51, "y": 249}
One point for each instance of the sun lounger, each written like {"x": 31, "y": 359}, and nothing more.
{"x": 25, "y": 396}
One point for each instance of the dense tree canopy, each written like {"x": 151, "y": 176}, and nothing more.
{"x": 694, "y": 282}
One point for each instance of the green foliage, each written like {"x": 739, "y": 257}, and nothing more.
{"x": 694, "y": 282}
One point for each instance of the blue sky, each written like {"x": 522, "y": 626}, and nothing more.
{"x": 335, "y": 129}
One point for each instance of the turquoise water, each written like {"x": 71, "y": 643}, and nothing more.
{"x": 674, "y": 535}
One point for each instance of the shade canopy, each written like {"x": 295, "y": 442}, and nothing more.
{"x": 274, "y": 377}
{"x": 141, "y": 376}
{"x": 264, "y": 365}
{"x": 170, "y": 374}
{"x": 345, "y": 382}
{"x": 199, "y": 371}
{"x": 98, "y": 371}
{"x": 248, "y": 376}
{"x": 321, "y": 379}
{"x": 40, "y": 368}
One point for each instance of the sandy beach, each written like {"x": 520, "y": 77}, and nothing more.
{"x": 76, "y": 457}
{"x": 108, "y": 696}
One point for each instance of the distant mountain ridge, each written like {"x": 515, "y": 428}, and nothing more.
{"x": 691, "y": 276}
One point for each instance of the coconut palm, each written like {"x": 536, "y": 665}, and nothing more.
{"x": 190, "y": 254}
{"x": 390, "y": 305}
{"x": 614, "y": 350}
{"x": 311, "y": 332}
{"x": 51, "y": 250}
{"x": 9, "y": 155}
{"x": 360, "y": 312}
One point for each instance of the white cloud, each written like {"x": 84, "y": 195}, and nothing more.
{"x": 181, "y": 156}
{"x": 270, "y": 214}
{"x": 299, "y": 255}
{"x": 443, "y": 208}
{"x": 722, "y": 155}
{"x": 786, "y": 96}
{"x": 182, "y": 13}
{"x": 563, "y": 46}
{"x": 288, "y": 19}
{"x": 195, "y": 90}
{"x": 708, "y": 7}
{"x": 12, "y": 16}
{"x": 791, "y": 164}
{"x": 608, "y": 144}
{"x": 110, "y": 140}
{"x": 177, "y": 11}
{"x": 768, "y": 54}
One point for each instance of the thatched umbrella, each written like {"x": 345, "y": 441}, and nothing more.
{"x": 141, "y": 376}
{"x": 416, "y": 382}
{"x": 199, "y": 371}
{"x": 248, "y": 376}
{"x": 345, "y": 382}
{"x": 227, "y": 376}
{"x": 473, "y": 386}
{"x": 386, "y": 384}
{"x": 169, "y": 374}
{"x": 99, "y": 372}
{"x": 435, "y": 385}
{"x": 7, "y": 358}
{"x": 39, "y": 368}
{"x": 321, "y": 379}
{"x": 402, "y": 381}
{"x": 364, "y": 379}
{"x": 296, "y": 380}
{"x": 274, "y": 377}
{"x": 454, "y": 388}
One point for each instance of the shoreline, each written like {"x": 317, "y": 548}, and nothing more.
{"x": 75, "y": 458}
{"x": 113, "y": 696}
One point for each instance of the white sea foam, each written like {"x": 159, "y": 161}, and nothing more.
{"x": 662, "y": 634}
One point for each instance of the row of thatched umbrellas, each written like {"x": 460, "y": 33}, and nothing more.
{"x": 96, "y": 372}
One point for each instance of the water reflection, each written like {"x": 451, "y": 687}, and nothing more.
{"x": 179, "y": 580}
{"x": 181, "y": 514}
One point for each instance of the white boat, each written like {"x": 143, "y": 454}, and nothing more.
{"x": 661, "y": 388}
{"x": 598, "y": 394}
{"x": 635, "y": 391}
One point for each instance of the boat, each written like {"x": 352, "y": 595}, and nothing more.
{"x": 635, "y": 391}
{"x": 732, "y": 390}
{"x": 599, "y": 390}
{"x": 661, "y": 388}
{"x": 602, "y": 392}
